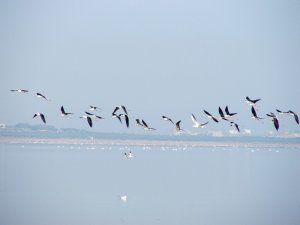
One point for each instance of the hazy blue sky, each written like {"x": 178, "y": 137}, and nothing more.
{"x": 155, "y": 57}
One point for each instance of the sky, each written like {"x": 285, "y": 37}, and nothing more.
{"x": 157, "y": 57}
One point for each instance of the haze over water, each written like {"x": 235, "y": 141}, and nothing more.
{"x": 81, "y": 184}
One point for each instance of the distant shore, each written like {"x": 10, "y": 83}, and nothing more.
{"x": 90, "y": 141}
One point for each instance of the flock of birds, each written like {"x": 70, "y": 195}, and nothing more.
{"x": 121, "y": 113}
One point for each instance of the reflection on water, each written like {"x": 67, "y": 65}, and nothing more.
{"x": 94, "y": 184}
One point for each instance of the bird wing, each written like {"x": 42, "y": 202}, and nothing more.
{"x": 296, "y": 118}
{"x": 62, "y": 110}
{"x": 203, "y": 124}
{"x": 221, "y": 112}
{"x": 207, "y": 113}
{"x": 145, "y": 124}
{"x": 115, "y": 110}
{"x": 89, "y": 120}
{"x": 127, "y": 121}
{"x": 178, "y": 125}
{"x": 194, "y": 119}
{"x": 237, "y": 127}
{"x": 276, "y": 123}
{"x": 123, "y": 107}
{"x": 43, "y": 117}
{"x": 253, "y": 112}
{"x": 88, "y": 113}
{"x": 227, "y": 111}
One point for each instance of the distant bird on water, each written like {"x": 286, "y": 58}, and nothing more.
{"x": 41, "y": 115}
{"x": 196, "y": 123}
{"x": 39, "y": 95}
{"x": 255, "y": 114}
{"x": 274, "y": 119}
{"x": 20, "y": 90}
{"x": 252, "y": 102}
{"x": 210, "y": 116}
{"x": 63, "y": 112}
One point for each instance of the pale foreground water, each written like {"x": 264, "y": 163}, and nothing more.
{"x": 82, "y": 184}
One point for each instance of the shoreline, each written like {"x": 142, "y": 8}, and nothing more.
{"x": 132, "y": 142}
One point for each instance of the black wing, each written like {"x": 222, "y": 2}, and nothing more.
{"x": 226, "y": 110}
{"x": 115, "y": 110}
{"x": 276, "y": 123}
{"x": 127, "y": 121}
{"x": 296, "y": 118}
{"x": 123, "y": 107}
{"x": 88, "y": 113}
{"x": 253, "y": 112}
{"x": 89, "y": 119}
{"x": 237, "y": 127}
{"x": 178, "y": 125}
{"x": 62, "y": 110}
{"x": 207, "y": 113}
{"x": 145, "y": 124}
{"x": 43, "y": 117}
{"x": 221, "y": 112}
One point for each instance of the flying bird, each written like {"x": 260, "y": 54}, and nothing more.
{"x": 252, "y": 102}
{"x": 222, "y": 116}
{"x": 138, "y": 123}
{"x": 290, "y": 112}
{"x": 20, "y": 90}
{"x": 63, "y": 112}
{"x": 196, "y": 123}
{"x": 94, "y": 108}
{"x": 146, "y": 127}
{"x": 178, "y": 128}
{"x": 41, "y": 115}
{"x": 93, "y": 115}
{"x": 274, "y": 119}
{"x": 210, "y": 116}
{"x": 39, "y": 95}
{"x": 120, "y": 107}
{"x": 167, "y": 119}
{"x": 89, "y": 120}
{"x": 228, "y": 114}
{"x": 295, "y": 116}
{"x": 255, "y": 114}
{"x": 236, "y": 126}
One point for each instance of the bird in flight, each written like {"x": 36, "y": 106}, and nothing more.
{"x": 167, "y": 119}
{"x": 63, "y": 112}
{"x": 228, "y": 114}
{"x": 196, "y": 123}
{"x": 39, "y": 95}
{"x": 20, "y": 90}
{"x": 274, "y": 119}
{"x": 255, "y": 114}
{"x": 211, "y": 116}
{"x": 41, "y": 115}
{"x": 222, "y": 116}
{"x": 252, "y": 102}
{"x": 89, "y": 120}
{"x": 236, "y": 125}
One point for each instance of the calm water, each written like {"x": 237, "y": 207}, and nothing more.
{"x": 62, "y": 185}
